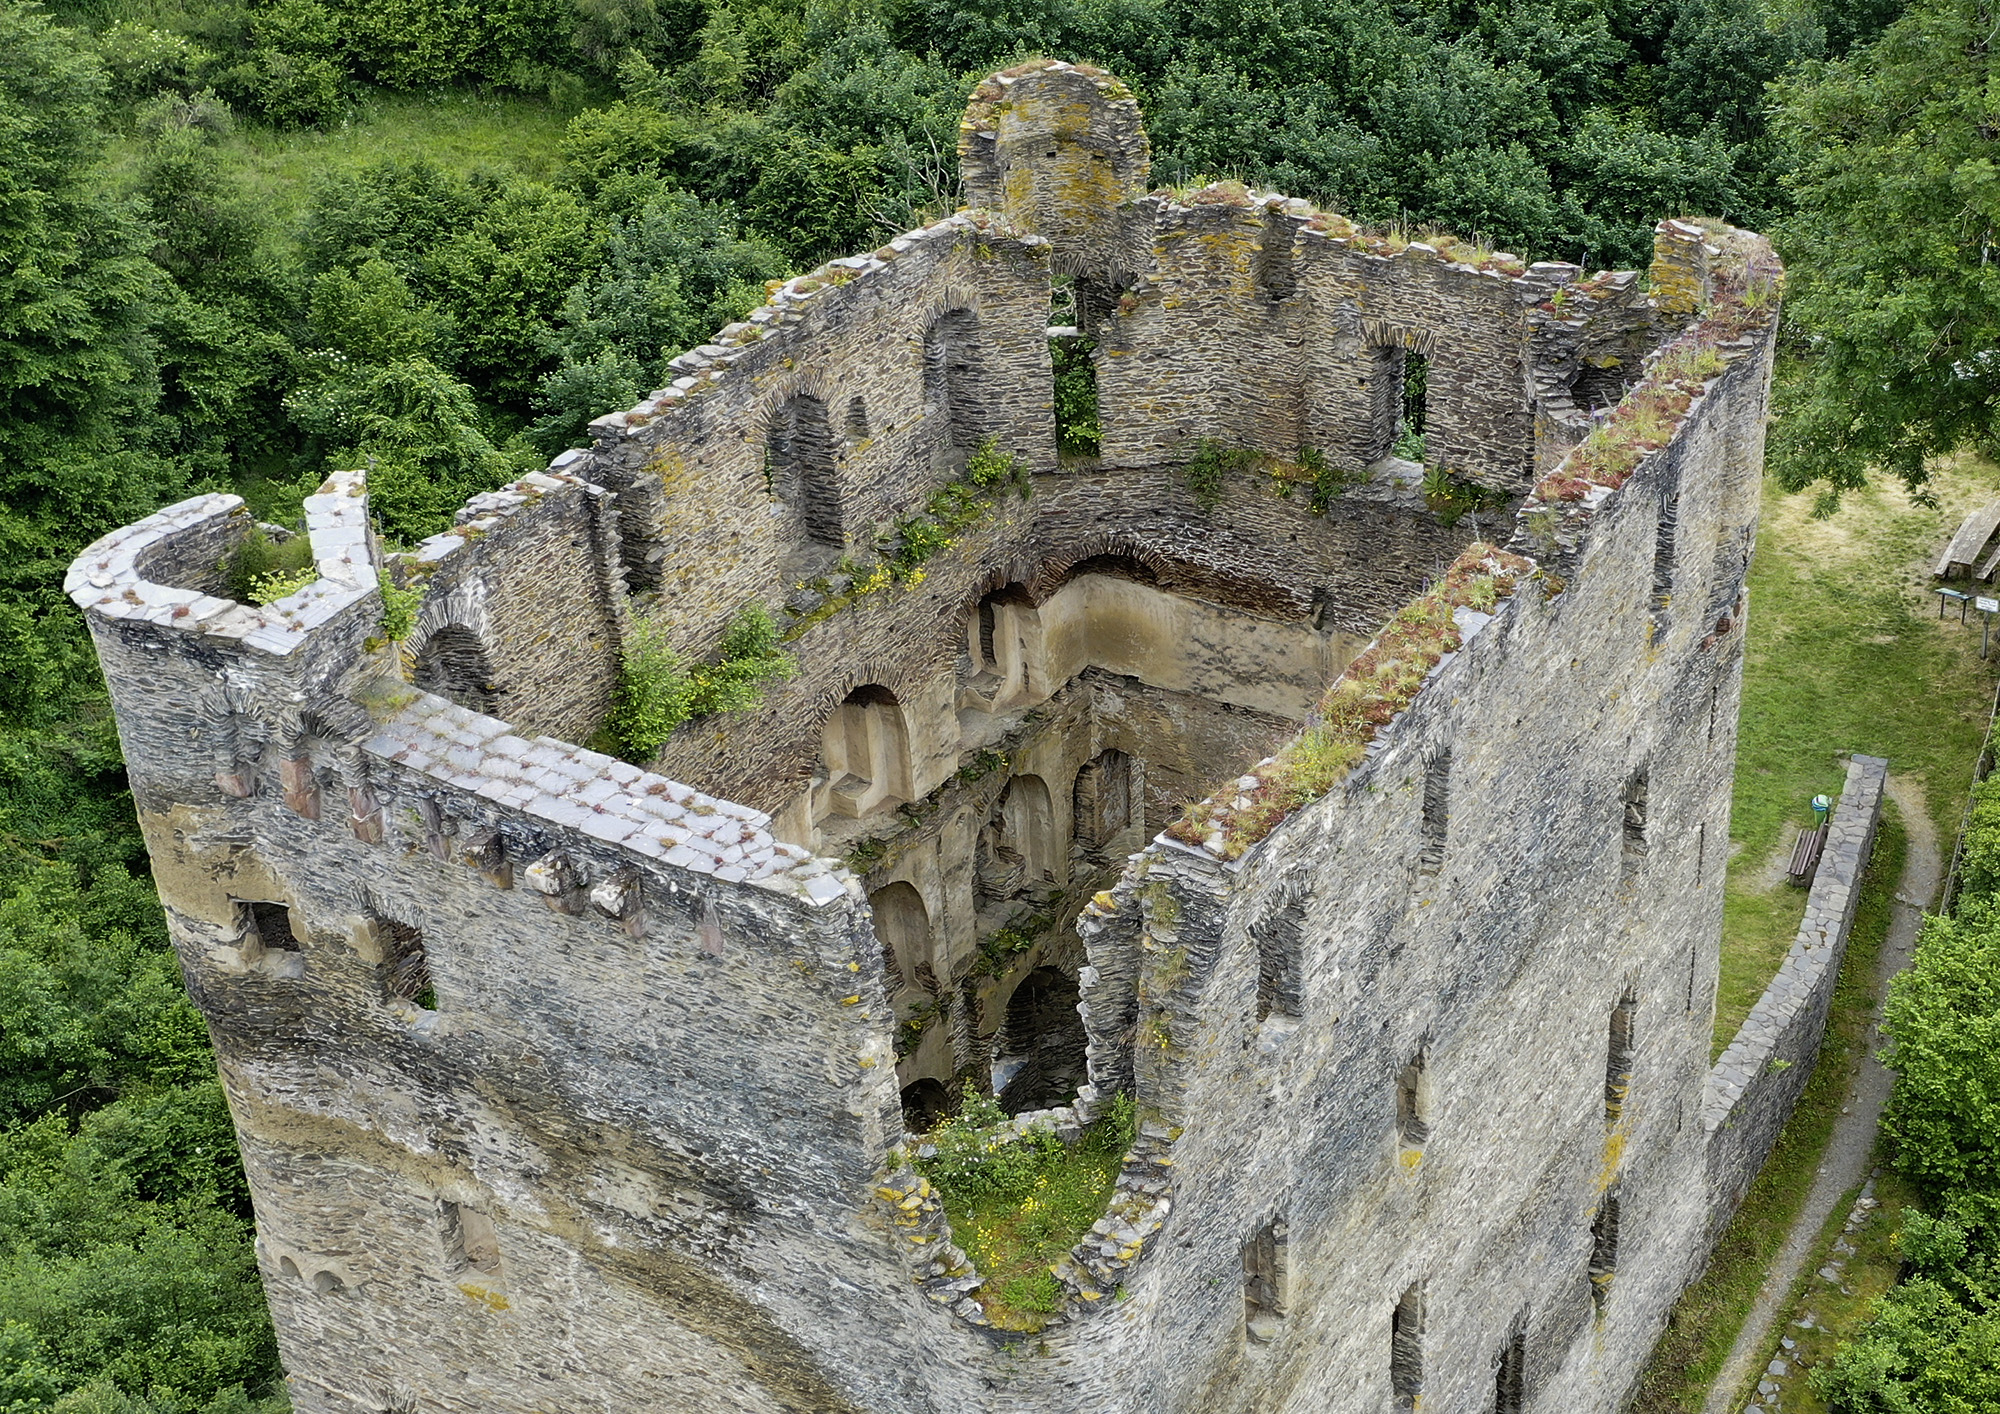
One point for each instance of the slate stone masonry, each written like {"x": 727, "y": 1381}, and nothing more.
{"x": 581, "y": 1086}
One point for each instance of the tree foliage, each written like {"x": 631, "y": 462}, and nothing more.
{"x": 1893, "y": 280}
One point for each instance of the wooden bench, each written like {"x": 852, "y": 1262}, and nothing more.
{"x": 1963, "y": 552}
{"x": 1805, "y": 855}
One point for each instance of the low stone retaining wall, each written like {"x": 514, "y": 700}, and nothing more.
{"x": 1753, "y": 1088}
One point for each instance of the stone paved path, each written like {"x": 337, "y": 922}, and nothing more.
{"x": 1846, "y": 1160}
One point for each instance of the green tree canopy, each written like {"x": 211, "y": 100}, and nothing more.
{"x": 1893, "y": 280}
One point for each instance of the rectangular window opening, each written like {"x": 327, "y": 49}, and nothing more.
{"x": 1264, "y": 1278}
{"x": 1413, "y": 1126}
{"x": 1604, "y": 1249}
{"x": 1406, "y": 1348}
{"x": 1437, "y": 812}
{"x": 1413, "y": 419}
{"x": 470, "y": 1242}
{"x": 1618, "y": 1059}
{"x": 405, "y": 969}
{"x": 270, "y": 925}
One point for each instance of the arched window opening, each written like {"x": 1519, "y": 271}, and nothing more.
{"x": 1415, "y": 417}
{"x": 925, "y": 1102}
{"x": 1017, "y": 855}
{"x": 857, "y": 418}
{"x": 1039, "y": 1055}
{"x": 865, "y": 750}
{"x": 951, "y": 391}
{"x": 1101, "y": 804}
{"x": 453, "y": 664}
{"x": 799, "y": 470}
{"x": 903, "y": 926}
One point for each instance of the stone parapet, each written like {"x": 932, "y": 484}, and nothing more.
{"x": 1757, "y": 1081}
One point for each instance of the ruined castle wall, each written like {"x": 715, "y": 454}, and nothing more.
{"x": 1467, "y": 322}
{"x": 1205, "y": 350}
{"x": 532, "y": 573}
{"x": 1508, "y": 961}
{"x": 728, "y": 526}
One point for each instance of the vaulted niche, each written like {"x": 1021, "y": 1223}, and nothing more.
{"x": 1101, "y": 806}
{"x": 453, "y": 663}
{"x": 1004, "y": 646}
{"x": 1039, "y": 1056}
{"x": 864, "y": 756}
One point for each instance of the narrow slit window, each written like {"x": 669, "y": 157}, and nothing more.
{"x": 470, "y": 1242}
{"x": 1279, "y": 939}
{"x": 1618, "y": 1059}
{"x": 1604, "y": 1249}
{"x": 1264, "y": 1263}
{"x": 1510, "y": 1375}
{"x": 1663, "y": 554}
{"x": 1437, "y": 812}
{"x": 406, "y": 967}
{"x": 1413, "y": 1120}
{"x": 1406, "y": 1348}
{"x": 1633, "y": 819}
{"x": 1072, "y": 357}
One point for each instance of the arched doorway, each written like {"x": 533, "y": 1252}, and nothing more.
{"x": 1040, "y": 1054}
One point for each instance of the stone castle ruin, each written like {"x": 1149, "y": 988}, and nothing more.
{"x": 1363, "y": 820}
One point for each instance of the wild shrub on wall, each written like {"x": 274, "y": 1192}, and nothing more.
{"x": 657, "y": 691}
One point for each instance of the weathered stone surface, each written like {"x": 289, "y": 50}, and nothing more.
{"x": 579, "y": 1088}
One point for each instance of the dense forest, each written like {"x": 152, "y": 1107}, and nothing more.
{"x": 168, "y": 324}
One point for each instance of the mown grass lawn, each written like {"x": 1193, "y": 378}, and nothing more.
{"x": 1845, "y": 654}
